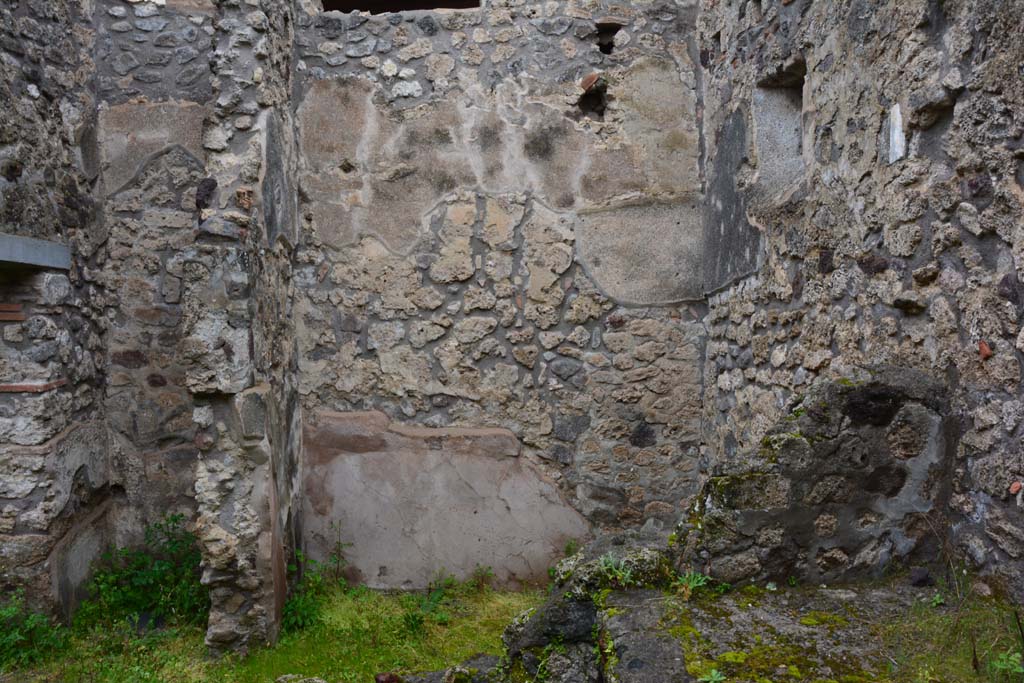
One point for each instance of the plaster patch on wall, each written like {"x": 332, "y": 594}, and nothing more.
{"x": 656, "y": 260}
{"x": 778, "y": 139}
{"x": 131, "y": 134}
{"x": 413, "y": 501}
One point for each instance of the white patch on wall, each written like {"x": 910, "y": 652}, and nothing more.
{"x": 897, "y": 139}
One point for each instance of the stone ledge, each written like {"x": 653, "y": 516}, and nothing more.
{"x": 364, "y": 432}
{"x": 33, "y": 252}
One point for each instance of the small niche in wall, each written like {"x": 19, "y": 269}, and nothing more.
{"x": 606, "y": 32}
{"x": 388, "y": 6}
{"x": 594, "y": 101}
{"x": 778, "y": 129}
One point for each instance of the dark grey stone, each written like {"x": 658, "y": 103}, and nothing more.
{"x": 362, "y": 49}
{"x": 564, "y": 368}
{"x": 151, "y": 24}
{"x": 191, "y": 74}
{"x": 643, "y": 436}
{"x": 554, "y": 27}
{"x": 559, "y": 454}
{"x": 168, "y": 39}
{"x": 561, "y": 619}
{"x": 279, "y": 203}
{"x": 427, "y": 25}
{"x": 185, "y": 54}
{"x": 148, "y": 76}
{"x": 123, "y": 63}
{"x": 839, "y": 486}
{"x": 158, "y": 59}
{"x": 252, "y": 413}
{"x": 204, "y": 192}
{"x": 570, "y": 427}
{"x": 646, "y": 652}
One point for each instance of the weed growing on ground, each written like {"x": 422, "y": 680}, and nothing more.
{"x": 358, "y": 635}
{"x": 305, "y": 604}
{"x": 157, "y": 583}
{"x": 26, "y": 636}
{"x": 482, "y": 577}
{"x": 1007, "y": 666}
{"x": 132, "y": 592}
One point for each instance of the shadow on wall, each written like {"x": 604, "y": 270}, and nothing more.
{"x": 857, "y": 476}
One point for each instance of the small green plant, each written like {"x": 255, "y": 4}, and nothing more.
{"x": 572, "y": 546}
{"x": 304, "y": 606}
{"x": 413, "y": 621}
{"x": 302, "y": 610}
{"x": 26, "y": 636}
{"x": 160, "y": 581}
{"x": 691, "y": 582}
{"x": 616, "y": 572}
{"x": 336, "y": 561}
{"x": 439, "y": 598}
{"x": 937, "y": 601}
{"x": 554, "y": 647}
{"x": 481, "y": 578}
{"x": 694, "y": 580}
{"x": 1007, "y": 666}
{"x": 305, "y": 603}
{"x": 713, "y": 676}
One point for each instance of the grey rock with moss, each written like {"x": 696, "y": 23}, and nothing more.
{"x": 853, "y": 479}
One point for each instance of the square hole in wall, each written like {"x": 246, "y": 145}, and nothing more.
{"x": 388, "y": 6}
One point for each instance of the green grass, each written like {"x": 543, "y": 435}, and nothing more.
{"x": 937, "y": 645}
{"x": 362, "y": 633}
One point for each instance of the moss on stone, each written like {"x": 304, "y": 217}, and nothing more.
{"x": 819, "y": 618}
{"x": 762, "y": 656}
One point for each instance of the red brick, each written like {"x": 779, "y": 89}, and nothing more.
{"x": 32, "y": 388}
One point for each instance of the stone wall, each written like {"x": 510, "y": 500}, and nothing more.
{"x": 44, "y": 77}
{"x": 501, "y": 227}
{"x": 596, "y": 252}
{"x": 161, "y": 372}
{"x": 56, "y": 484}
{"x": 899, "y": 243}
